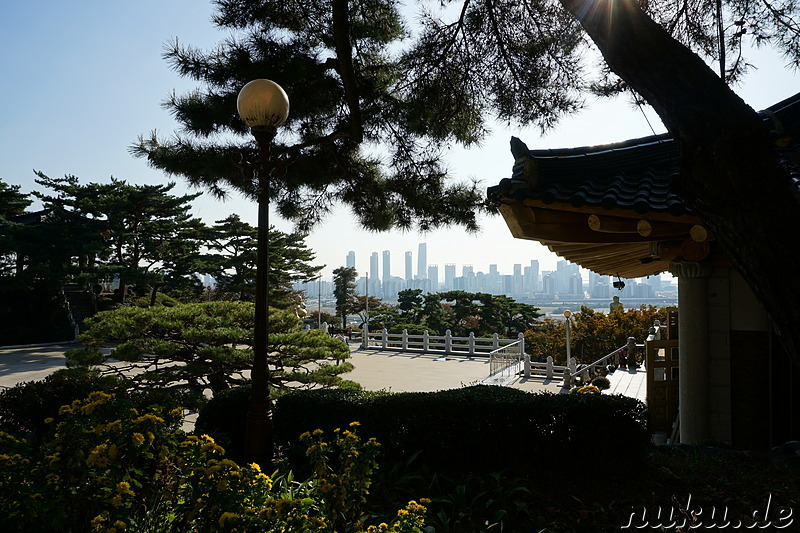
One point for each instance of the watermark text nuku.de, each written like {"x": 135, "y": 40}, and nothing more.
{"x": 690, "y": 516}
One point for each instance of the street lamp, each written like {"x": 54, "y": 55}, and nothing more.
{"x": 567, "y": 314}
{"x": 264, "y": 106}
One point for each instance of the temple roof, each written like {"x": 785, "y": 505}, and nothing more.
{"x": 616, "y": 198}
{"x": 633, "y": 174}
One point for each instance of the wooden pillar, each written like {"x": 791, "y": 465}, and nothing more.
{"x": 693, "y": 348}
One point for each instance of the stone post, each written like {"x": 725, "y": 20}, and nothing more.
{"x": 693, "y": 348}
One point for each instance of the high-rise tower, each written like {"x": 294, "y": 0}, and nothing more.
{"x": 351, "y": 259}
{"x": 409, "y": 275}
{"x": 387, "y": 266}
{"x": 422, "y": 261}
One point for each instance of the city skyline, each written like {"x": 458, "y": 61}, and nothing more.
{"x": 377, "y": 268}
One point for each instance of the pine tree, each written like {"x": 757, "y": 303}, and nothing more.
{"x": 142, "y": 233}
{"x": 12, "y": 202}
{"x": 344, "y": 290}
{"x": 233, "y": 267}
{"x": 347, "y": 96}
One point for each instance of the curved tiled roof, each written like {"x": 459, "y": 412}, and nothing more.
{"x": 633, "y": 175}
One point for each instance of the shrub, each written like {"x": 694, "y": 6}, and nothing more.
{"x": 470, "y": 428}
{"x": 106, "y": 466}
{"x": 215, "y": 418}
{"x": 24, "y": 407}
{"x": 601, "y": 383}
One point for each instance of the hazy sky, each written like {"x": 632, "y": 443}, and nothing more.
{"x": 82, "y": 79}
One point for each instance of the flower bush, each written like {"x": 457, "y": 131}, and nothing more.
{"x": 107, "y": 467}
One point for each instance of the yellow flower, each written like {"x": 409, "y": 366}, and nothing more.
{"x": 138, "y": 439}
{"x": 48, "y": 420}
{"x": 124, "y": 487}
{"x": 116, "y": 501}
{"x": 256, "y": 467}
{"x": 120, "y": 524}
{"x": 149, "y": 417}
{"x": 225, "y": 517}
{"x": 317, "y": 432}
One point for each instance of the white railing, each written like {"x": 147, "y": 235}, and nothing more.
{"x": 507, "y": 359}
{"x": 588, "y": 370}
{"x": 446, "y": 344}
{"x": 548, "y": 369}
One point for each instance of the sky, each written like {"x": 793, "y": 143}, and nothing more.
{"x": 81, "y": 80}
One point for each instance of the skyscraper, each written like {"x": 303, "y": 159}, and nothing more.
{"x": 351, "y": 259}
{"x": 422, "y": 261}
{"x": 409, "y": 275}
{"x": 387, "y": 266}
{"x": 433, "y": 278}
{"x": 449, "y": 276}
{"x": 373, "y": 269}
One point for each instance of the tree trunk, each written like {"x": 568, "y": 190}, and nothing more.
{"x": 730, "y": 174}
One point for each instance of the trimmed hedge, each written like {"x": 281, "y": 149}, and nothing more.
{"x": 478, "y": 428}
{"x": 224, "y": 417}
{"x": 475, "y": 428}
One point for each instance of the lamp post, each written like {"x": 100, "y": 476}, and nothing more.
{"x": 567, "y": 314}
{"x": 264, "y": 106}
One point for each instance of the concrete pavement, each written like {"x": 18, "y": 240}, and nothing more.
{"x": 374, "y": 370}
{"x": 31, "y": 363}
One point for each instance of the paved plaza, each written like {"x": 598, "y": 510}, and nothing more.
{"x": 374, "y": 370}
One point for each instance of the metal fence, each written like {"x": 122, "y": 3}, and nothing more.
{"x": 505, "y": 362}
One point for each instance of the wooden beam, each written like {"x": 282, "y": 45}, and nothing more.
{"x": 627, "y": 252}
{"x": 606, "y": 224}
{"x": 699, "y": 233}
{"x": 622, "y": 213}
{"x": 518, "y": 218}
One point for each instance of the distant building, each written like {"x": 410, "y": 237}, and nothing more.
{"x": 433, "y": 278}
{"x": 351, "y": 259}
{"x": 422, "y": 260}
{"x": 449, "y": 276}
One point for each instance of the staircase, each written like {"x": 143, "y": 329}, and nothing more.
{"x": 81, "y": 304}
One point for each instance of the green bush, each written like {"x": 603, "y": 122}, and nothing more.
{"x": 215, "y": 418}
{"x": 24, "y": 407}
{"x": 473, "y": 428}
{"x": 601, "y": 383}
{"x": 106, "y": 466}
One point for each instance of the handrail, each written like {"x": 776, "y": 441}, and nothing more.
{"x": 569, "y": 376}
{"x": 504, "y": 363}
